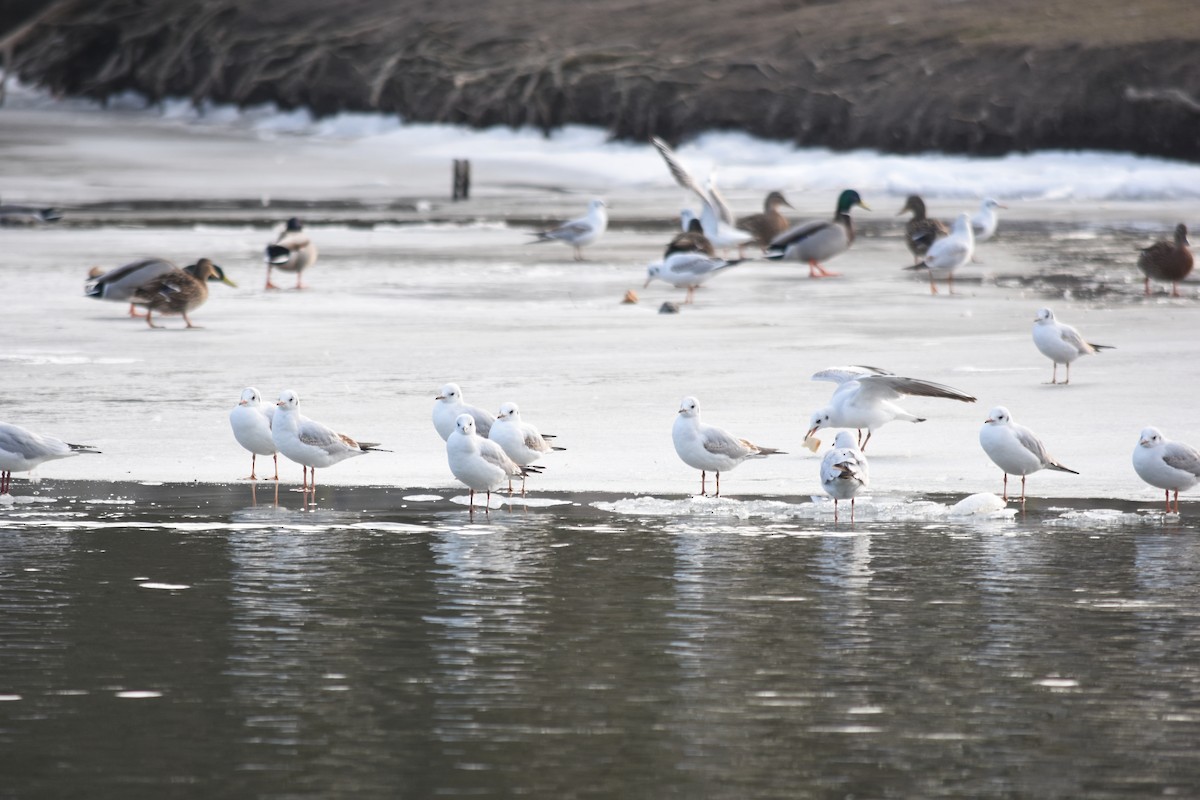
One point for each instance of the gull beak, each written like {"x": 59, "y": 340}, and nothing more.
{"x": 1144, "y": 442}
{"x": 811, "y": 431}
{"x": 243, "y": 402}
{"x": 1001, "y": 205}
{"x": 440, "y": 397}
{"x": 989, "y": 419}
{"x": 680, "y": 411}
{"x": 646, "y": 285}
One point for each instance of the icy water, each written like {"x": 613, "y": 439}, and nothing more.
{"x": 203, "y": 641}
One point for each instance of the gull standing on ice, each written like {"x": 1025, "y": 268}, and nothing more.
{"x": 687, "y": 271}
{"x": 520, "y": 441}
{"x": 251, "y": 423}
{"x": 449, "y": 404}
{"x": 292, "y": 251}
{"x": 985, "y": 220}
{"x": 863, "y": 399}
{"x": 819, "y": 240}
{"x": 1061, "y": 343}
{"x": 1167, "y": 261}
{"x": 949, "y": 253}
{"x": 579, "y": 233}
{"x": 308, "y": 442}
{"x": 716, "y": 218}
{"x": 1171, "y": 466}
{"x": 21, "y": 450}
{"x": 480, "y": 463}
{"x": 844, "y": 472}
{"x": 709, "y": 448}
{"x": 1014, "y": 448}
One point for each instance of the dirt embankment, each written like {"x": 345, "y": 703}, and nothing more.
{"x": 896, "y": 75}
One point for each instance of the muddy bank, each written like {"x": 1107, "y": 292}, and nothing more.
{"x": 895, "y": 76}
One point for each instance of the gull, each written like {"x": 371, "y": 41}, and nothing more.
{"x": 920, "y": 232}
{"x": 579, "y": 233}
{"x": 984, "y": 221}
{"x": 1060, "y": 342}
{"x": 844, "y": 472}
{"x": 21, "y": 450}
{"x": 292, "y": 251}
{"x": 863, "y": 399}
{"x": 819, "y": 240}
{"x": 1167, "y": 260}
{"x": 520, "y": 441}
{"x": 687, "y": 271}
{"x": 709, "y": 448}
{"x": 449, "y": 404}
{"x": 716, "y": 218}
{"x": 480, "y": 463}
{"x": 251, "y": 423}
{"x": 11, "y": 214}
{"x": 1171, "y": 466}
{"x": 949, "y": 253}
{"x": 1014, "y": 448}
{"x": 308, "y": 442}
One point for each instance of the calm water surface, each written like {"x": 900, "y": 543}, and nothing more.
{"x": 179, "y": 641}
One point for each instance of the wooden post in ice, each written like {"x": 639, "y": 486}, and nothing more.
{"x": 462, "y": 179}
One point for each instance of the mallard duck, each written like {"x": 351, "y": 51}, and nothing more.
{"x": 920, "y": 232}
{"x": 984, "y": 223}
{"x": 292, "y": 251}
{"x": 120, "y": 284}
{"x": 716, "y": 218}
{"x": 1167, "y": 261}
{"x": 949, "y": 253}
{"x": 692, "y": 239}
{"x": 820, "y": 240}
{"x": 770, "y": 223}
{"x": 579, "y": 233}
{"x": 21, "y": 450}
{"x": 27, "y": 215}
{"x": 179, "y": 291}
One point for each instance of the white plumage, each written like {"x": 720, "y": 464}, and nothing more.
{"x": 521, "y": 441}
{"x": 1171, "y": 466}
{"x": 480, "y": 463}
{"x": 1015, "y": 449}
{"x": 1060, "y": 342}
{"x": 449, "y": 404}
{"x": 251, "y": 423}
{"x": 308, "y": 442}
{"x": 709, "y": 448}
{"x": 949, "y": 253}
{"x": 844, "y": 472}
{"x": 985, "y": 220}
{"x": 21, "y": 450}
{"x": 579, "y": 233}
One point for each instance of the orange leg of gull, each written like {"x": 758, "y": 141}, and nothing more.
{"x": 932, "y": 285}
{"x": 252, "y": 476}
{"x": 299, "y": 281}
{"x": 852, "y": 509}
{"x": 1006, "y": 487}
{"x": 275, "y": 458}
{"x": 702, "y": 475}
{"x": 1022, "y": 490}
{"x": 835, "y": 507}
{"x": 718, "y": 494}
{"x": 863, "y": 446}
{"x": 950, "y": 283}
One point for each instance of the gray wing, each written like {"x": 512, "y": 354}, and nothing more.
{"x": 535, "y": 441}
{"x": 1072, "y": 337}
{"x": 1180, "y": 456}
{"x": 717, "y": 201}
{"x": 494, "y": 454}
{"x": 28, "y": 444}
{"x": 843, "y": 374}
{"x": 721, "y": 442}
{"x": 570, "y": 230}
{"x": 695, "y": 264}
{"x": 946, "y": 251}
{"x": 799, "y": 233}
{"x": 890, "y": 387}
{"x": 1033, "y": 444}
{"x": 314, "y": 433}
{"x": 681, "y": 175}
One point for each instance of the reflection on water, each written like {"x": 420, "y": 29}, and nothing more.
{"x": 753, "y": 649}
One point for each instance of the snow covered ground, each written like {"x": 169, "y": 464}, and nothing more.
{"x": 399, "y": 306}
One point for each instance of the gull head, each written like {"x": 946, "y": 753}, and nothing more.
{"x": 844, "y": 440}
{"x": 819, "y": 419}
{"x": 465, "y": 424}
{"x": 450, "y": 393}
{"x": 689, "y": 407}
{"x": 597, "y": 204}
{"x": 1150, "y": 437}
{"x": 250, "y": 396}
{"x": 991, "y": 202}
{"x": 289, "y": 400}
{"x": 509, "y": 411}
{"x": 1044, "y": 315}
{"x": 653, "y": 271}
{"x": 998, "y": 416}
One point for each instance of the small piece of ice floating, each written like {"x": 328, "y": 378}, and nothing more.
{"x": 844, "y": 472}
{"x": 308, "y": 442}
{"x": 579, "y": 233}
{"x": 480, "y": 463}
{"x": 1171, "y": 466}
{"x": 985, "y": 220}
{"x": 292, "y": 251}
{"x": 21, "y": 450}
{"x": 520, "y": 441}
{"x": 949, "y": 253}
{"x": 1014, "y": 448}
{"x": 449, "y": 404}
{"x": 863, "y": 399}
{"x": 251, "y": 423}
{"x": 1060, "y": 342}
{"x": 709, "y": 448}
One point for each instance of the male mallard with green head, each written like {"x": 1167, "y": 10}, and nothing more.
{"x": 920, "y": 232}
{"x": 770, "y": 223}
{"x": 179, "y": 291}
{"x": 1167, "y": 261}
{"x": 819, "y": 241}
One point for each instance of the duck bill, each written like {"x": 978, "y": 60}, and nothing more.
{"x": 863, "y": 205}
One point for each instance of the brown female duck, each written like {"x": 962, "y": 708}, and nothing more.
{"x": 1167, "y": 261}
{"x": 920, "y": 232}
{"x": 770, "y": 223}
{"x": 179, "y": 291}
